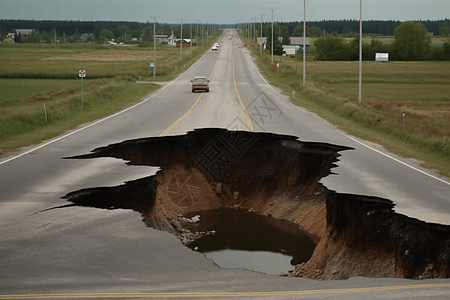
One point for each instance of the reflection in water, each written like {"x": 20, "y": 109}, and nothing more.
{"x": 242, "y": 230}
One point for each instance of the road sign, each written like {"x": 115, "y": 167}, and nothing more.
{"x": 152, "y": 64}
{"x": 82, "y": 73}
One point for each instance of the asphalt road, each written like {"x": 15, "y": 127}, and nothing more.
{"x": 89, "y": 253}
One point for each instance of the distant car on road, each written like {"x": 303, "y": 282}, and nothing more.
{"x": 214, "y": 48}
{"x": 200, "y": 83}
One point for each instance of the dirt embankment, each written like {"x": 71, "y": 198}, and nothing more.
{"x": 277, "y": 176}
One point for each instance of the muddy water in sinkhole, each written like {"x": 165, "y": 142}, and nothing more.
{"x": 243, "y": 239}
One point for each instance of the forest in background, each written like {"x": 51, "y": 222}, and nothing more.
{"x": 342, "y": 27}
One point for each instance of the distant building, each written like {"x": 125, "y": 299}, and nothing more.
{"x": 161, "y": 39}
{"x": 298, "y": 41}
{"x": 24, "y": 32}
{"x": 262, "y": 41}
{"x": 291, "y": 50}
{"x": 185, "y": 43}
{"x": 21, "y": 34}
{"x": 171, "y": 40}
{"x": 295, "y": 45}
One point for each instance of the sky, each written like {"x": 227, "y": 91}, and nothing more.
{"x": 222, "y": 11}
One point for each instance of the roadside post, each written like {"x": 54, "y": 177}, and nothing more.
{"x": 278, "y": 65}
{"x": 293, "y": 94}
{"x": 82, "y": 74}
{"x": 45, "y": 113}
{"x": 152, "y": 65}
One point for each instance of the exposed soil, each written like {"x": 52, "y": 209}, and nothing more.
{"x": 8, "y": 153}
{"x": 277, "y": 176}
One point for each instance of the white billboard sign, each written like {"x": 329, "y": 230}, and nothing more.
{"x": 381, "y": 56}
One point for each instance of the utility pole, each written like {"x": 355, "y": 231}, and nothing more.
{"x": 254, "y": 29}
{"x": 272, "y": 36}
{"x": 260, "y": 46}
{"x": 181, "y": 41}
{"x": 143, "y": 35}
{"x": 190, "y": 31}
{"x": 272, "y": 28}
{"x": 304, "y": 43}
{"x": 360, "y": 51}
{"x": 154, "y": 47}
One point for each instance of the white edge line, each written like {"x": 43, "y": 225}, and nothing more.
{"x": 355, "y": 140}
{"x": 83, "y": 128}
{"x": 397, "y": 160}
{"x": 101, "y": 120}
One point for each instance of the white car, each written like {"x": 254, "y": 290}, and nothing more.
{"x": 214, "y": 48}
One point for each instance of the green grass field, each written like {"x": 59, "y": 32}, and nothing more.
{"x": 420, "y": 89}
{"x": 19, "y": 89}
{"x": 64, "y": 62}
{"x": 32, "y": 76}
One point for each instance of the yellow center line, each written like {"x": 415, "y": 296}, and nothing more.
{"x": 182, "y": 117}
{"x": 185, "y": 114}
{"x": 247, "y": 117}
{"x": 230, "y": 294}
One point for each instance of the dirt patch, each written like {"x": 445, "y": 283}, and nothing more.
{"x": 276, "y": 176}
{"x": 8, "y": 153}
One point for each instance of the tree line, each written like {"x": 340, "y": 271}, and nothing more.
{"x": 412, "y": 42}
{"x": 101, "y": 32}
{"x": 343, "y": 27}
{"x": 351, "y": 27}
{"x": 97, "y": 30}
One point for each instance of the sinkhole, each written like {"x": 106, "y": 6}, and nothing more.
{"x": 247, "y": 200}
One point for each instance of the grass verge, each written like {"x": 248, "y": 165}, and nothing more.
{"x": 28, "y": 121}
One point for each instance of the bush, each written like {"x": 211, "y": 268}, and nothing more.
{"x": 446, "y": 48}
{"x": 331, "y": 48}
{"x": 412, "y": 42}
{"x": 436, "y": 53}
